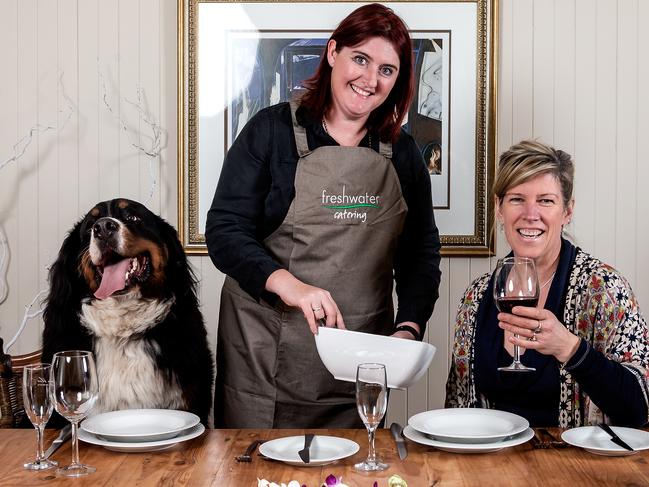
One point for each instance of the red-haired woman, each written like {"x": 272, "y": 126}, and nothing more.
{"x": 320, "y": 204}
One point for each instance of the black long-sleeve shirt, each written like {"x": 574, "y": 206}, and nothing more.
{"x": 614, "y": 388}
{"x": 255, "y": 191}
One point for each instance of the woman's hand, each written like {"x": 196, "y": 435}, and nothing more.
{"x": 540, "y": 330}
{"x": 315, "y": 303}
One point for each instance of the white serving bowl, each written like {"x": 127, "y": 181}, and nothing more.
{"x": 342, "y": 350}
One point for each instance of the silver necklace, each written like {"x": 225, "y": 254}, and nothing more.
{"x": 549, "y": 280}
{"x": 326, "y": 129}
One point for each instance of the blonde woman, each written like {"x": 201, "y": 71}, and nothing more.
{"x": 586, "y": 338}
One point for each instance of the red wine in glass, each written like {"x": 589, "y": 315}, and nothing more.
{"x": 505, "y": 305}
{"x": 515, "y": 284}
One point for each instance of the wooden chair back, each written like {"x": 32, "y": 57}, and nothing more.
{"x": 12, "y": 410}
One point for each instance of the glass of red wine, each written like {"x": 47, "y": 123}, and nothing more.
{"x": 516, "y": 283}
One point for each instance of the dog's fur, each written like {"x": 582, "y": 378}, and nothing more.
{"x": 145, "y": 329}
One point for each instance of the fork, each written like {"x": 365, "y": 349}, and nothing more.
{"x": 247, "y": 455}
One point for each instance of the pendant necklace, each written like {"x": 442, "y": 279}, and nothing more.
{"x": 326, "y": 129}
{"x": 549, "y": 280}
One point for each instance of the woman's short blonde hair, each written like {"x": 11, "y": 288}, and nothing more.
{"x": 530, "y": 158}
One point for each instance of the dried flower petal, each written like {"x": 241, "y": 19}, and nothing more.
{"x": 331, "y": 480}
{"x": 396, "y": 481}
{"x": 266, "y": 483}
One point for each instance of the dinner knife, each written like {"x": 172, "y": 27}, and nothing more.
{"x": 304, "y": 452}
{"x": 615, "y": 438}
{"x": 397, "y": 434}
{"x": 64, "y": 435}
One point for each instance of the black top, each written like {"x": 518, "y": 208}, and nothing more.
{"x": 536, "y": 395}
{"x": 255, "y": 191}
{"x": 533, "y": 395}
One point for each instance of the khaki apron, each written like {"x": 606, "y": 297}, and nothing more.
{"x": 339, "y": 234}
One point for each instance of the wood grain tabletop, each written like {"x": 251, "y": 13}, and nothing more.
{"x": 209, "y": 460}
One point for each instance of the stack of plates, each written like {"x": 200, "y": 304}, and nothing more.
{"x": 140, "y": 429}
{"x": 468, "y": 430}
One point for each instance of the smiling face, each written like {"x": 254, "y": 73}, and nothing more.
{"x": 126, "y": 249}
{"x": 532, "y": 214}
{"x": 362, "y": 76}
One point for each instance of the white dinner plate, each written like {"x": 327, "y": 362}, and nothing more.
{"x": 324, "y": 450}
{"x": 468, "y": 425}
{"x": 142, "y": 446}
{"x": 146, "y": 425}
{"x": 595, "y": 440}
{"x": 453, "y": 447}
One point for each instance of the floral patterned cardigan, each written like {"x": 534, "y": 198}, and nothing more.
{"x": 600, "y": 308}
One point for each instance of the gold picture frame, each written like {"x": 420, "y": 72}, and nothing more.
{"x": 212, "y": 34}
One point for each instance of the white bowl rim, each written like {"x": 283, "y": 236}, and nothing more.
{"x": 416, "y": 351}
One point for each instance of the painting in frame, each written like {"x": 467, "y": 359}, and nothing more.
{"x": 236, "y": 58}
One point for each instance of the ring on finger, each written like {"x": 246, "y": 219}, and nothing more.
{"x": 532, "y": 338}
{"x": 539, "y": 328}
{"x": 316, "y": 308}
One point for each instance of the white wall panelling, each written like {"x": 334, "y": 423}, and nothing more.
{"x": 571, "y": 72}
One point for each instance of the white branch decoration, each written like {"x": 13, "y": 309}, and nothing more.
{"x": 157, "y": 137}
{"x": 26, "y": 317}
{"x": 19, "y": 149}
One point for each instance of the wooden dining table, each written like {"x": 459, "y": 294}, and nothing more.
{"x": 209, "y": 460}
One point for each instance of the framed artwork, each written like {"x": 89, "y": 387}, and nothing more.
{"x": 236, "y": 58}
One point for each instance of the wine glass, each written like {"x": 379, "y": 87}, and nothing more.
{"x": 516, "y": 283}
{"x": 372, "y": 401}
{"x": 37, "y": 400}
{"x": 75, "y": 390}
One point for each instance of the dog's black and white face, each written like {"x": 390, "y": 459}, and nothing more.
{"x": 127, "y": 249}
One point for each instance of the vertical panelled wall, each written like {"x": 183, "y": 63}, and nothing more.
{"x": 571, "y": 73}
{"x": 83, "y": 83}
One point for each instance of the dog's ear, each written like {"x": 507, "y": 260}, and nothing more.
{"x": 179, "y": 273}
{"x": 67, "y": 289}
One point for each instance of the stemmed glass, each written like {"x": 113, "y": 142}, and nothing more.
{"x": 75, "y": 385}
{"x": 372, "y": 401}
{"x": 37, "y": 391}
{"x": 516, "y": 283}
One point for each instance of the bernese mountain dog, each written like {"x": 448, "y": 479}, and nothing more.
{"x": 122, "y": 288}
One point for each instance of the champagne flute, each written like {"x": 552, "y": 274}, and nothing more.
{"x": 75, "y": 390}
{"x": 516, "y": 283}
{"x": 37, "y": 392}
{"x": 372, "y": 401}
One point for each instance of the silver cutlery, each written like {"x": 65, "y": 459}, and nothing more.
{"x": 304, "y": 453}
{"x": 247, "y": 455}
{"x": 64, "y": 435}
{"x": 615, "y": 438}
{"x": 397, "y": 434}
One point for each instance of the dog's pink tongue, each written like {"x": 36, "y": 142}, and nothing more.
{"x": 114, "y": 279}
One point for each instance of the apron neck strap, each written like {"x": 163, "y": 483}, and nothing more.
{"x": 299, "y": 132}
{"x": 385, "y": 149}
